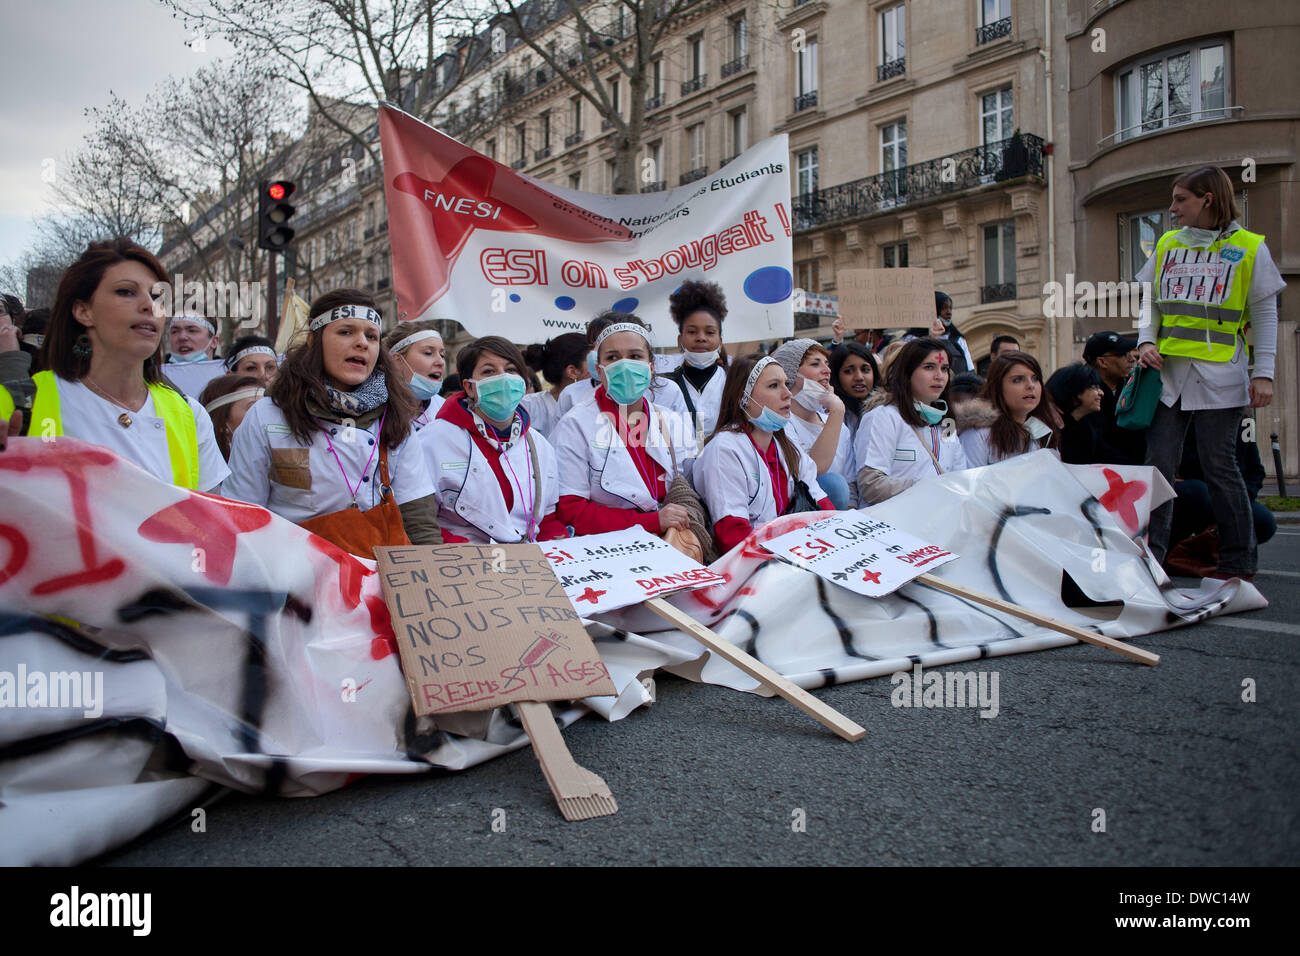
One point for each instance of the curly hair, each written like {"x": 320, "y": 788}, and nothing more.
{"x": 697, "y": 296}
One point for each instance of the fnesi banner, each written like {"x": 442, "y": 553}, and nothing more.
{"x": 474, "y": 241}
{"x": 860, "y": 553}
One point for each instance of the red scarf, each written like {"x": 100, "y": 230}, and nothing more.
{"x": 651, "y": 472}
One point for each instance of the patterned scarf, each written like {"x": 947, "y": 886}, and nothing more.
{"x": 361, "y": 406}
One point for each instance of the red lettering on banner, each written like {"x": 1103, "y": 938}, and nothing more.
{"x": 1121, "y": 496}
{"x": 208, "y": 523}
{"x": 18, "y": 551}
{"x": 385, "y": 641}
{"x": 513, "y": 266}
{"x": 461, "y": 202}
{"x": 351, "y": 571}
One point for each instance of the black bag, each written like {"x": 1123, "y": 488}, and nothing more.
{"x": 801, "y": 500}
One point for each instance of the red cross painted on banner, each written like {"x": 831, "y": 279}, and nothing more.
{"x": 589, "y": 595}
{"x": 461, "y": 202}
{"x": 1121, "y": 496}
{"x": 872, "y": 576}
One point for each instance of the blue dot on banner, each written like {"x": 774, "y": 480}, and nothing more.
{"x": 626, "y": 305}
{"x": 514, "y": 297}
{"x": 769, "y": 285}
{"x": 564, "y": 302}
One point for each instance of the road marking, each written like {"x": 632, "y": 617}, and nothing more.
{"x": 1272, "y": 627}
{"x": 1290, "y": 534}
{"x": 1279, "y": 574}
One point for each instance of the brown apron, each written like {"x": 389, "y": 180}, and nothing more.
{"x": 359, "y": 532}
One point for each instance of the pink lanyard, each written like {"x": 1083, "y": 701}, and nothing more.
{"x": 490, "y": 436}
{"x": 360, "y": 478}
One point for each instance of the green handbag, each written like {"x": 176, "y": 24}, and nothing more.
{"x": 1137, "y": 401}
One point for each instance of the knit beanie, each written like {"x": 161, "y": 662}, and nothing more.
{"x": 790, "y": 356}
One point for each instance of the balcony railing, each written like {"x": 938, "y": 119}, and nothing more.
{"x": 655, "y": 187}
{"x": 735, "y": 66}
{"x": 383, "y": 226}
{"x": 654, "y": 102}
{"x": 369, "y": 233}
{"x": 383, "y": 284}
{"x": 993, "y": 31}
{"x": 695, "y": 83}
{"x": 805, "y": 101}
{"x": 699, "y": 172}
{"x": 945, "y": 175}
{"x": 606, "y": 125}
{"x": 519, "y": 163}
{"x": 998, "y": 293}
{"x": 541, "y": 154}
{"x": 887, "y": 71}
{"x": 573, "y": 139}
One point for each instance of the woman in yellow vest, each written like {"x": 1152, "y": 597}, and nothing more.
{"x": 104, "y": 352}
{"x": 1209, "y": 280}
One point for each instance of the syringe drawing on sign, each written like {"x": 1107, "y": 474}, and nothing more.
{"x": 533, "y": 655}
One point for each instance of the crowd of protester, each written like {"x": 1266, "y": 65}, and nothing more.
{"x": 367, "y": 437}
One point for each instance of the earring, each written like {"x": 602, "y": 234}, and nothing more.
{"x": 82, "y": 347}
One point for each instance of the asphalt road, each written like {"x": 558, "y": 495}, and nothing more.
{"x": 1185, "y": 770}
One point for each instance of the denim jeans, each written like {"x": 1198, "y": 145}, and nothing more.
{"x": 1216, "y": 447}
{"x": 836, "y": 488}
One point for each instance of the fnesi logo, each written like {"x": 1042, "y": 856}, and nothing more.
{"x": 1232, "y": 254}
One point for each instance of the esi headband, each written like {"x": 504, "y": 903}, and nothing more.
{"x": 346, "y": 312}
{"x": 251, "y": 350}
{"x": 233, "y": 397}
{"x": 621, "y": 327}
{"x": 197, "y": 320}
{"x": 413, "y": 338}
{"x": 753, "y": 378}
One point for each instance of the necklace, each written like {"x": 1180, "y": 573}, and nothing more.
{"x": 124, "y": 419}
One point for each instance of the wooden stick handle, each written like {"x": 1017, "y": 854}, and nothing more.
{"x": 756, "y": 669}
{"x": 1015, "y": 610}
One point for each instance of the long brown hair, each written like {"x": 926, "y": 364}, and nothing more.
{"x": 1005, "y": 436}
{"x": 898, "y": 380}
{"x": 1212, "y": 181}
{"x": 78, "y": 284}
{"x": 302, "y": 374}
{"x": 733, "y": 418}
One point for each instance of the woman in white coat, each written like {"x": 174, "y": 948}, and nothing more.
{"x": 905, "y": 439}
{"x": 698, "y": 309}
{"x": 661, "y": 391}
{"x": 817, "y": 418}
{"x": 336, "y": 416}
{"x": 749, "y": 470}
{"x": 617, "y": 452}
{"x": 493, "y": 473}
{"x": 1012, "y": 417}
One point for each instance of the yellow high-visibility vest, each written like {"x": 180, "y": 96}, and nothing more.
{"x": 1201, "y": 294}
{"x": 171, "y": 406}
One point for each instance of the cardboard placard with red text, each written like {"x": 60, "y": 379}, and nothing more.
{"x": 479, "y": 626}
{"x": 886, "y": 298}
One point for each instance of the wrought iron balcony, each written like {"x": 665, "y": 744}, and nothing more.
{"x": 805, "y": 101}
{"x": 655, "y": 187}
{"x": 735, "y": 66}
{"x": 1003, "y": 160}
{"x": 369, "y": 233}
{"x": 541, "y": 154}
{"x": 654, "y": 102}
{"x": 998, "y": 293}
{"x": 606, "y": 125}
{"x": 887, "y": 71}
{"x": 519, "y": 163}
{"x": 699, "y": 172}
{"x": 573, "y": 139}
{"x": 993, "y": 31}
{"x": 383, "y": 284}
{"x": 383, "y": 226}
{"x": 695, "y": 83}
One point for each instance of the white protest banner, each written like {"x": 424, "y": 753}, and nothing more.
{"x": 604, "y": 572}
{"x": 503, "y": 254}
{"x": 860, "y": 553}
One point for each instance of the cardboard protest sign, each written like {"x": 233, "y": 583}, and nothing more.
{"x": 860, "y": 553}
{"x": 508, "y": 255}
{"x": 478, "y": 626}
{"x": 885, "y": 298}
{"x": 604, "y": 572}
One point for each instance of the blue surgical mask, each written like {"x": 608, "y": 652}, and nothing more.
{"x": 591, "y": 364}
{"x": 933, "y": 414}
{"x": 187, "y": 359}
{"x": 769, "y": 421}
{"x": 627, "y": 380}
{"x": 499, "y": 395}
{"x": 424, "y": 387}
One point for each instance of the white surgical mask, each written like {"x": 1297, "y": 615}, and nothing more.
{"x": 813, "y": 395}
{"x": 701, "y": 359}
{"x": 1197, "y": 238}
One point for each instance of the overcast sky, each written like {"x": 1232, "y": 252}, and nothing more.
{"x": 61, "y": 57}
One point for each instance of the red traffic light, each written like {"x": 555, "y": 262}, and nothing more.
{"x": 276, "y": 191}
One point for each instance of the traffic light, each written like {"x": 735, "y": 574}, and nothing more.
{"x": 273, "y": 213}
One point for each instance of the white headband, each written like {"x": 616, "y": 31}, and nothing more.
{"x": 239, "y": 396}
{"x": 251, "y": 350}
{"x": 197, "y": 320}
{"x": 753, "y": 379}
{"x": 620, "y": 327}
{"x": 33, "y": 339}
{"x": 414, "y": 337}
{"x": 346, "y": 312}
